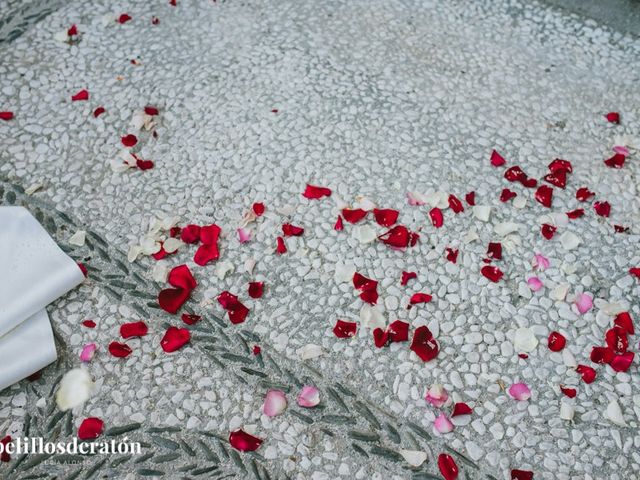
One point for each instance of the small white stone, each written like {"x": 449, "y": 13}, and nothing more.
{"x": 614, "y": 413}
{"x": 414, "y": 458}
{"x": 566, "y": 411}
{"x": 570, "y": 240}
{"x": 310, "y": 351}
{"x": 78, "y": 238}
{"x": 482, "y": 212}
{"x": 344, "y": 272}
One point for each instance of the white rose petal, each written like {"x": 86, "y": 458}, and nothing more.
{"x": 614, "y": 414}
{"x": 437, "y": 199}
{"x": 344, "y": 272}
{"x": 560, "y": 292}
{"x": 482, "y": 212}
{"x": 286, "y": 210}
{"x": 566, "y": 411}
{"x": 371, "y": 317}
{"x": 414, "y": 458}
{"x": 506, "y": 228}
{"x": 364, "y": 203}
{"x": 118, "y": 166}
{"x": 511, "y": 243}
{"x": 524, "y": 340}
{"x": 78, "y": 238}
{"x": 160, "y": 272}
{"x": 222, "y": 268}
{"x": 471, "y": 236}
{"x": 61, "y": 36}
{"x": 249, "y": 265}
{"x": 75, "y": 388}
{"x": 364, "y": 234}
{"x": 569, "y": 240}
{"x": 134, "y": 252}
{"x": 340, "y": 204}
{"x": 310, "y": 351}
{"x": 171, "y": 244}
{"x": 149, "y": 246}
{"x": 613, "y": 308}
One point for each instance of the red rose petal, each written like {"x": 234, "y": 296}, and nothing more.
{"x": 129, "y": 140}
{"x": 420, "y": 298}
{"x": 588, "y": 374}
{"x": 385, "y": 216}
{"x": 461, "y": 408}
{"x": 569, "y": 392}
{"x": 406, "y": 276}
{"x": 256, "y": 289}
{"x": 548, "y": 231}
{"x": 559, "y": 164}
{"x": 369, "y": 296}
{"x": 398, "y": 237}
{"x": 190, "y": 319}
{"x": 624, "y": 322}
{"x": 291, "y": 230}
{"x": 120, "y": 350}
{"x": 452, "y": 254}
{"x": 455, "y": 204}
{"x": 144, "y": 164}
{"x": 620, "y": 229}
{"x": 123, "y": 18}
{"x": 556, "y": 341}
{"x": 150, "y": 110}
{"x": 602, "y": 208}
{"x": 602, "y": 354}
{"x": 360, "y": 282}
{"x": 436, "y": 217}
{"x": 496, "y": 159}
{"x": 190, "y": 234}
{"x": 155, "y": 20}
{"x": 236, "y": 310}
{"x": 339, "y": 225}
{"x": 557, "y": 178}
{"x": 617, "y": 161}
{"x": 470, "y": 198}
{"x": 617, "y": 340}
{"x": 208, "y": 251}
{"x": 613, "y": 117}
{"x": 621, "y": 363}
{"x": 90, "y": 428}
{"x": 494, "y": 250}
{"x": 577, "y": 213}
{"x": 83, "y": 269}
{"x": 171, "y": 299}
{"x": 398, "y": 331}
{"x": 98, "y": 111}
{"x": 424, "y": 345}
{"x": 353, "y": 215}
{"x": 447, "y": 466}
{"x": 258, "y": 208}
{"x": 515, "y": 174}
{"x": 344, "y": 329}
{"x": 380, "y": 337}
{"x": 73, "y": 30}
{"x": 280, "y": 246}
{"x": 494, "y": 274}
{"x": 507, "y": 195}
{"x": 521, "y": 475}
{"x": 524, "y": 356}
{"x": 133, "y": 329}
{"x": 544, "y": 195}
{"x": 583, "y": 194}
{"x": 635, "y": 271}
{"x": 89, "y": 324}
{"x": 180, "y": 277}
{"x": 6, "y": 116}
{"x": 81, "y": 95}
{"x": 5, "y": 457}
{"x": 174, "y": 339}
{"x": 242, "y": 441}
{"x": 256, "y": 350}
{"x": 313, "y": 192}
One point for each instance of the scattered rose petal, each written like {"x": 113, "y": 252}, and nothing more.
{"x": 190, "y": 319}
{"x": 624, "y": 323}
{"x": 171, "y": 299}
{"x": 119, "y": 350}
{"x": 583, "y": 194}
{"x": 258, "y": 208}
{"x": 87, "y": 352}
{"x": 275, "y": 403}
{"x": 535, "y": 283}
{"x": 420, "y": 298}
{"x": 494, "y": 250}
{"x": 470, "y": 198}
{"x": 291, "y": 230}
{"x": 344, "y": 329}
{"x": 461, "y": 408}
{"x": 617, "y": 340}
{"x": 244, "y": 442}
{"x": 6, "y": 116}
{"x": 244, "y": 235}
{"x": 89, "y": 324}
{"x": 339, "y": 224}
{"x": 174, "y": 339}
{"x": 280, "y": 246}
{"x": 133, "y": 329}
{"x": 437, "y": 219}
{"x": 614, "y": 413}
{"x": 496, "y": 159}
{"x": 602, "y": 208}
{"x": 635, "y": 271}
{"x": 406, "y": 276}
{"x": 494, "y": 274}
{"x": 507, "y": 195}
{"x": 548, "y": 231}
{"x": 544, "y": 195}
{"x": 442, "y": 424}
{"x": 256, "y": 350}
{"x": 398, "y": 331}
{"x": 455, "y": 204}
{"x": 452, "y": 255}
{"x": 587, "y": 373}
{"x": 190, "y": 234}
{"x": 521, "y": 475}
{"x": 447, "y": 466}
{"x": 385, "y": 217}
{"x": 98, "y": 111}
{"x": 309, "y": 396}
{"x": 583, "y": 302}
{"x": 380, "y": 337}
{"x": 622, "y": 362}
{"x": 236, "y": 310}
{"x": 208, "y": 251}
{"x": 90, "y": 428}
{"x": 520, "y": 391}
{"x": 556, "y": 341}
{"x": 524, "y": 340}
{"x": 399, "y": 237}
{"x": 123, "y": 18}
{"x": 437, "y": 395}
{"x": 313, "y": 192}
{"x": 353, "y": 215}
{"x": 424, "y": 345}
{"x": 256, "y": 289}
{"x": 80, "y": 96}
{"x": 74, "y": 389}
{"x": 613, "y": 117}
{"x": 617, "y": 161}
{"x": 569, "y": 392}
{"x": 577, "y": 213}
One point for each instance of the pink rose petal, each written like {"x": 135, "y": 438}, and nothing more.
{"x": 244, "y": 235}
{"x": 275, "y": 403}
{"x": 583, "y": 302}
{"x": 622, "y": 150}
{"x": 437, "y": 395}
{"x": 87, "y": 352}
{"x": 442, "y": 424}
{"x": 535, "y": 283}
{"x": 309, "y": 396}
{"x": 540, "y": 262}
{"x": 520, "y": 391}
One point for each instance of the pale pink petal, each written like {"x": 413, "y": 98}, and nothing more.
{"x": 535, "y": 283}
{"x": 622, "y": 150}
{"x": 540, "y": 262}
{"x": 583, "y": 302}
{"x": 415, "y": 199}
{"x": 275, "y": 403}
{"x": 442, "y": 424}
{"x": 309, "y": 396}
{"x": 87, "y": 352}
{"x": 244, "y": 235}
{"x": 436, "y": 395}
{"x": 520, "y": 391}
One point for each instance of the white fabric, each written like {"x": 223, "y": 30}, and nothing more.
{"x": 33, "y": 273}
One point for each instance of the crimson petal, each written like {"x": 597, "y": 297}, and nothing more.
{"x": 256, "y": 289}
{"x": 492, "y": 273}
{"x": 190, "y": 234}
{"x": 281, "y": 247}
{"x": 521, "y": 474}
{"x": 613, "y": 117}
{"x": 544, "y": 195}
{"x": 587, "y": 373}
{"x": 406, "y": 276}
{"x": 461, "y": 408}
{"x": 447, "y": 466}
{"x": 180, "y": 277}
{"x": 174, "y": 339}
{"x": 344, "y": 329}
{"x": 385, "y": 216}
{"x": 557, "y": 178}
{"x": 258, "y": 208}
{"x": 90, "y": 428}
{"x": 313, "y": 192}
{"x": 494, "y": 250}
{"x": 507, "y": 195}
{"x": 436, "y": 217}
{"x": 236, "y": 310}
{"x": 244, "y": 442}
{"x": 621, "y": 363}
{"x": 398, "y": 331}
{"x": 470, "y": 198}
{"x": 81, "y": 95}
{"x": 120, "y": 350}
{"x": 548, "y": 231}
{"x": 583, "y": 194}
{"x": 577, "y": 213}
{"x": 129, "y": 140}
{"x": 617, "y": 161}
{"x": 190, "y": 319}
{"x": 624, "y": 322}
{"x": 559, "y": 164}
{"x": 602, "y": 208}
{"x": 171, "y": 299}
{"x": 133, "y": 329}
{"x": 98, "y": 111}
{"x": 206, "y": 253}
{"x": 339, "y": 224}
{"x": 380, "y": 337}
{"x": 556, "y": 341}
{"x": 399, "y": 237}
{"x": 452, "y": 254}
{"x": 569, "y": 392}
{"x": 352, "y": 215}
{"x": 455, "y": 204}
{"x": 424, "y": 345}
{"x": 420, "y": 298}
{"x": 6, "y": 116}
{"x": 292, "y": 231}
{"x": 496, "y": 159}
{"x": 602, "y": 354}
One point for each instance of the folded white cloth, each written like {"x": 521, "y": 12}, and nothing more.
{"x": 33, "y": 273}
